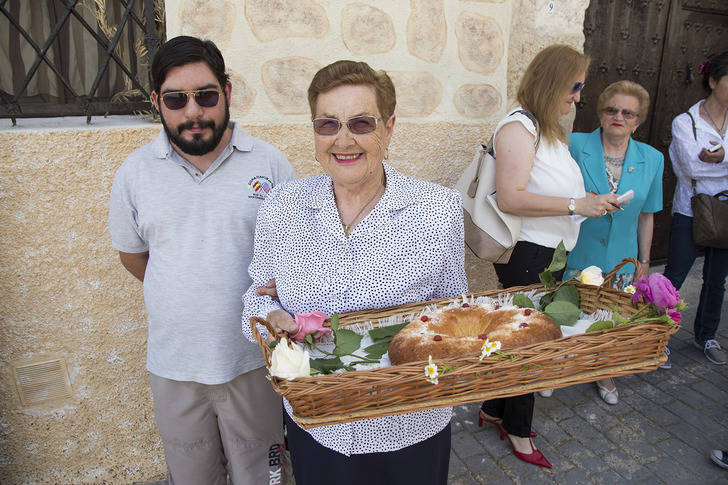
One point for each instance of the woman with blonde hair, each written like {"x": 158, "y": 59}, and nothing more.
{"x": 612, "y": 162}
{"x": 536, "y": 178}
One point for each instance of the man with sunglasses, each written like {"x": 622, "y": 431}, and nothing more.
{"x": 182, "y": 216}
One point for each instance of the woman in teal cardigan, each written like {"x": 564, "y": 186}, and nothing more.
{"x": 611, "y": 161}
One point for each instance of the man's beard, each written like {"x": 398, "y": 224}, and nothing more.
{"x": 198, "y": 146}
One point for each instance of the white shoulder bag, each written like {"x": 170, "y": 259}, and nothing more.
{"x": 489, "y": 232}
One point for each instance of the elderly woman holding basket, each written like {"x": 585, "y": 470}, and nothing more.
{"x": 360, "y": 236}
{"x": 537, "y": 178}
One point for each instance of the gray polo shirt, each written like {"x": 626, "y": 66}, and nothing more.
{"x": 198, "y": 229}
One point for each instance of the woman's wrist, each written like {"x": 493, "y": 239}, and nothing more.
{"x": 644, "y": 261}
{"x": 579, "y": 206}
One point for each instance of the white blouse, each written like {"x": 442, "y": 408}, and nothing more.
{"x": 556, "y": 174}
{"x": 409, "y": 248}
{"x": 710, "y": 178}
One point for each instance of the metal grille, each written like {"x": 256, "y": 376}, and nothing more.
{"x": 77, "y": 57}
{"x": 43, "y": 381}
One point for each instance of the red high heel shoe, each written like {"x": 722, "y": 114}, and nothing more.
{"x": 495, "y": 421}
{"x": 535, "y": 457}
{"x": 484, "y": 417}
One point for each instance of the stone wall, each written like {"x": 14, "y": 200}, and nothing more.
{"x": 66, "y": 300}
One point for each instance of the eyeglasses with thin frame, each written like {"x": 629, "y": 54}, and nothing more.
{"x": 578, "y": 86}
{"x": 358, "y": 125}
{"x": 205, "y": 98}
{"x": 613, "y": 112}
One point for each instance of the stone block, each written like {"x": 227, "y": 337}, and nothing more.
{"x": 286, "y": 81}
{"x": 277, "y": 19}
{"x": 418, "y": 93}
{"x": 693, "y": 459}
{"x": 457, "y": 467}
{"x": 426, "y": 30}
{"x": 477, "y": 100}
{"x": 216, "y": 23}
{"x": 242, "y": 95}
{"x": 672, "y": 471}
{"x": 464, "y": 445}
{"x": 480, "y": 42}
{"x": 575, "y": 476}
{"x": 483, "y": 466}
{"x": 366, "y": 30}
{"x": 582, "y": 457}
{"x": 587, "y": 435}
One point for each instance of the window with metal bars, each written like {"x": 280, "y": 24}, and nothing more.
{"x": 77, "y": 57}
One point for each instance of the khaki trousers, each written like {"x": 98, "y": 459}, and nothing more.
{"x": 212, "y": 433}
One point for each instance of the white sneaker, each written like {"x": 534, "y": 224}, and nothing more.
{"x": 546, "y": 393}
{"x": 667, "y": 364}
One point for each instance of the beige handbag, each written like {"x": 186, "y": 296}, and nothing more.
{"x": 489, "y": 232}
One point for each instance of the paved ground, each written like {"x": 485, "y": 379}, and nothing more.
{"x": 661, "y": 431}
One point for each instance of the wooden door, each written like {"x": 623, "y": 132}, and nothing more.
{"x": 658, "y": 44}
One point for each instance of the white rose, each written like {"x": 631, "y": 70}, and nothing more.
{"x": 289, "y": 363}
{"x": 591, "y": 276}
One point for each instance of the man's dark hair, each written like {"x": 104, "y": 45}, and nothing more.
{"x": 184, "y": 50}
{"x": 717, "y": 67}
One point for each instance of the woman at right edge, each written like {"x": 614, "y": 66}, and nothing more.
{"x": 536, "y": 178}
{"x": 699, "y": 170}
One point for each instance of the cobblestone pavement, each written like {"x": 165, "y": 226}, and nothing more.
{"x": 661, "y": 431}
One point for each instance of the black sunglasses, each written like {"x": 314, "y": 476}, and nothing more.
{"x": 626, "y": 114}
{"x": 358, "y": 125}
{"x": 578, "y": 86}
{"x": 206, "y": 98}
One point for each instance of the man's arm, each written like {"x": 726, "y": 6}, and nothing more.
{"x": 135, "y": 263}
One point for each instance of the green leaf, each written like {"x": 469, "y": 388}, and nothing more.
{"x": 547, "y": 279}
{"x": 558, "y": 261}
{"x": 563, "y": 312}
{"x": 308, "y": 339}
{"x": 386, "y": 332}
{"x": 519, "y": 299}
{"x": 618, "y": 319}
{"x": 326, "y": 366}
{"x": 346, "y": 342}
{"x": 273, "y": 344}
{"x": 545, "y": 300}
{"x": 600, "y": 325}
{"x": 567, "y": 293}
{"x": 376, "y": 351}
{"x": 335, "y": 322}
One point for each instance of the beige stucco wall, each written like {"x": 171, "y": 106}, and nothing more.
{"x": 63, "y": 294}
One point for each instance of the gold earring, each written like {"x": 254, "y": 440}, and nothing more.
{"x": 386, "y": 153}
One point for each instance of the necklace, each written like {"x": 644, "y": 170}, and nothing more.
{"x": 614, "y": 161}
{"x": 347, "y": 227}
{"x": 715, "y": 125}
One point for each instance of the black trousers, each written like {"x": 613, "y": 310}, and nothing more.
{"x": 424, "y": 463}
{"x": 527, "y": 261}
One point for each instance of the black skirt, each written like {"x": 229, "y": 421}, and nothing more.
{"x": 424, "y": 463}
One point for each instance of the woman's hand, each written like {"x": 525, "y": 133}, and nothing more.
{"x": 712, "y": 157}
{"x": 643, "y": 269}
{"x": 281, "y": 321}
{"x": 269, "y": 289}
{"x": 594, "y": 205}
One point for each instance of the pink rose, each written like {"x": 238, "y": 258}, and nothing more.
{"x": 674, "y": 316}
{"x": 642, "y": 289}
{"x": 309, "y": 323}
{"x": 657, "y": 290}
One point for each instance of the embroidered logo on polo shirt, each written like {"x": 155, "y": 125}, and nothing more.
{"x": 259, "y": 187}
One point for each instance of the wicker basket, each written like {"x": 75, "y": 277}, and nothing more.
{"x": 349, "y": 396}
